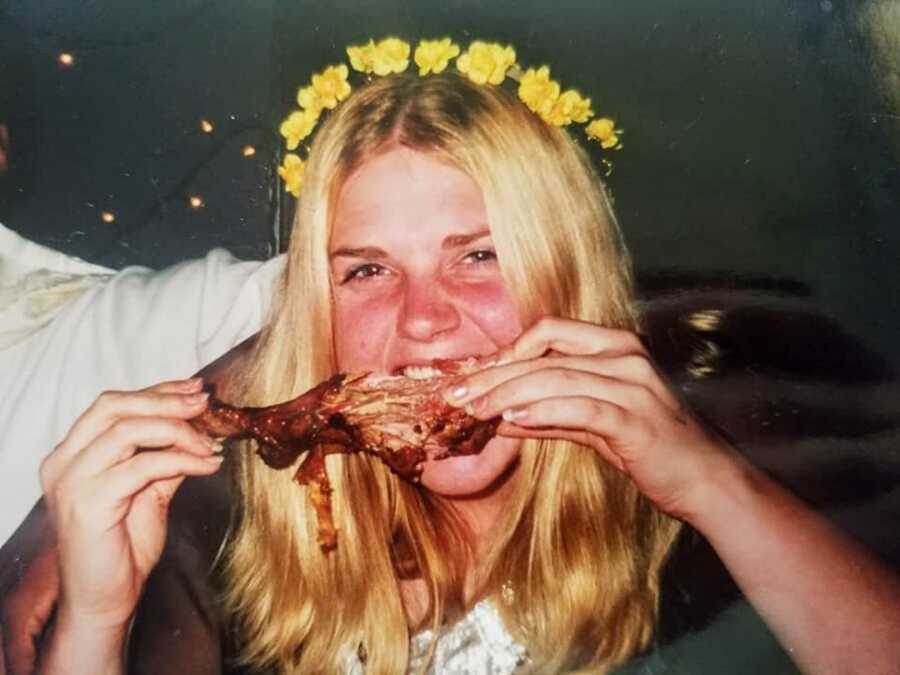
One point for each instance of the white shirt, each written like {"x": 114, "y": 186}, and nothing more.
{"x": 477, "y": 644}
{"x": 70, "y": 330}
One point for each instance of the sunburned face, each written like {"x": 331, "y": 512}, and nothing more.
{"x": 415, "y": 278}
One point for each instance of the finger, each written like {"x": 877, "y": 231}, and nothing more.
{"x": 121, "y": 440}
{"x": 556, "y": 382}
{"x": 552, "y": 418}
{"x": 169, "y": 486}
{"x": 114, "y": 405}
{"x": 94, "y": 505}
{"x": 637, "y": 369}
{"x": 633, "y": 369}
{"x": 126, "y": 479}
{"x": 569, "y": 336}
{"x": 189, "y": 386}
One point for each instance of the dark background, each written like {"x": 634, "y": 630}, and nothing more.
{"x": 756, "y": 142}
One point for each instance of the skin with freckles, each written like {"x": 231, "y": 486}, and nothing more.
{"x": 415, "y": 278}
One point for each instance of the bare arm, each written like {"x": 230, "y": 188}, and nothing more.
{"x": 108, "y": 495}
{"x": 833, "y": 606}
{"x": 94, "y": 651}
{"x": 28, "y": 597}
{"x": 830, "y": 603}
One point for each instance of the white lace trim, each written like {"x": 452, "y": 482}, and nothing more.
{"x": 478, "y": 644}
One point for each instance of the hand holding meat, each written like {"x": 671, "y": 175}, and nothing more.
{"x": 108, "y": 497}
{"x": 598, "y": 387}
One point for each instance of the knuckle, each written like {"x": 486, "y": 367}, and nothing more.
{"x": 540, "y": 332}
{"x": 108, "y": 400}
{"x": 47, "y": 473}
{"x": 541, "y": 324}
{"x": 546, "y": 323}
{"x": 632, "y": 342}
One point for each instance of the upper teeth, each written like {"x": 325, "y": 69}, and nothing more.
{"x": 421, "y": 372}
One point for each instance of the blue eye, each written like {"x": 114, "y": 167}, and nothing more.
{"x": 364, "y": 271}
{"x": 481, "y": 255}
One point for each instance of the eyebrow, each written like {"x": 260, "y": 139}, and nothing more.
{"x": 451, "y": 241}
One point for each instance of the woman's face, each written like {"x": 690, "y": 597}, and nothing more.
{"x": 415, "y": 278}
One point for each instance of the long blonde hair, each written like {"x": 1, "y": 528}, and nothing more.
{"x": 575, "y": 570}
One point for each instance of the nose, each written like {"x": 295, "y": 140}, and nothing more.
{"x": 426, "y": 313}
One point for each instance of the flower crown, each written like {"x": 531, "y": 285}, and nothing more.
{"x": 483, "y": 63}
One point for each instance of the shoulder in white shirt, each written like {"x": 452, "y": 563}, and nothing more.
{"x": 124, "y": 330}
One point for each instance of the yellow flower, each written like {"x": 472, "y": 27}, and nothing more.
{"x": 432, "y": 56}
{"x": 569, "y": 107}
{"x": 362, "y": 57}
{"x": 291, "y": 172}
{"x": 538, "y": 91}
{"x": 486, "y": 62}
{"x": 308, "y": 99}
{"x": 390, "y": 55}
{"x": 331, "y": 85}
{"x": 298, "y": 125}
{"x": 604, "y": 130}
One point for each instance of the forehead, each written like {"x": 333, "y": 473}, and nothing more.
{"x": 406, "y": 191}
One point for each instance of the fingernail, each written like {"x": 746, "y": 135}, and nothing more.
{"x": 214, "y": 459}
{"x": 215, "y": 445}
{"x": 198, "y": 398}
{"x": 513, "y": 414}
{"x": 454, "y": 394}
{"x": 469, "y": 408}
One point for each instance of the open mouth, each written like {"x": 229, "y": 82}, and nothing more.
{"x": 437, "y": 368}
{"x": 421, "y": 372}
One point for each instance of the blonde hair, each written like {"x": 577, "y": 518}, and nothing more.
{"x": 581, "y": 551}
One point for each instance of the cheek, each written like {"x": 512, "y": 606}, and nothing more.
{"x": 491, "y": 307}
{"x": 362, "y": 329}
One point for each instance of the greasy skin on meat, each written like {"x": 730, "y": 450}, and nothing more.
{"x": 400, "y": 420}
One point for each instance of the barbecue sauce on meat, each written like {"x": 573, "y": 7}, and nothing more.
{"x": 397, "y": 419}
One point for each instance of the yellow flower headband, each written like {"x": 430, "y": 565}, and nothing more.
{"x": 483, "y": 63}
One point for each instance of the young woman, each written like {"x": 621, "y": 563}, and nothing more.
{"x": 443, "y": 219}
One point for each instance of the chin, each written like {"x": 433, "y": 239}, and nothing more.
{"x": 472, "y": 476}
